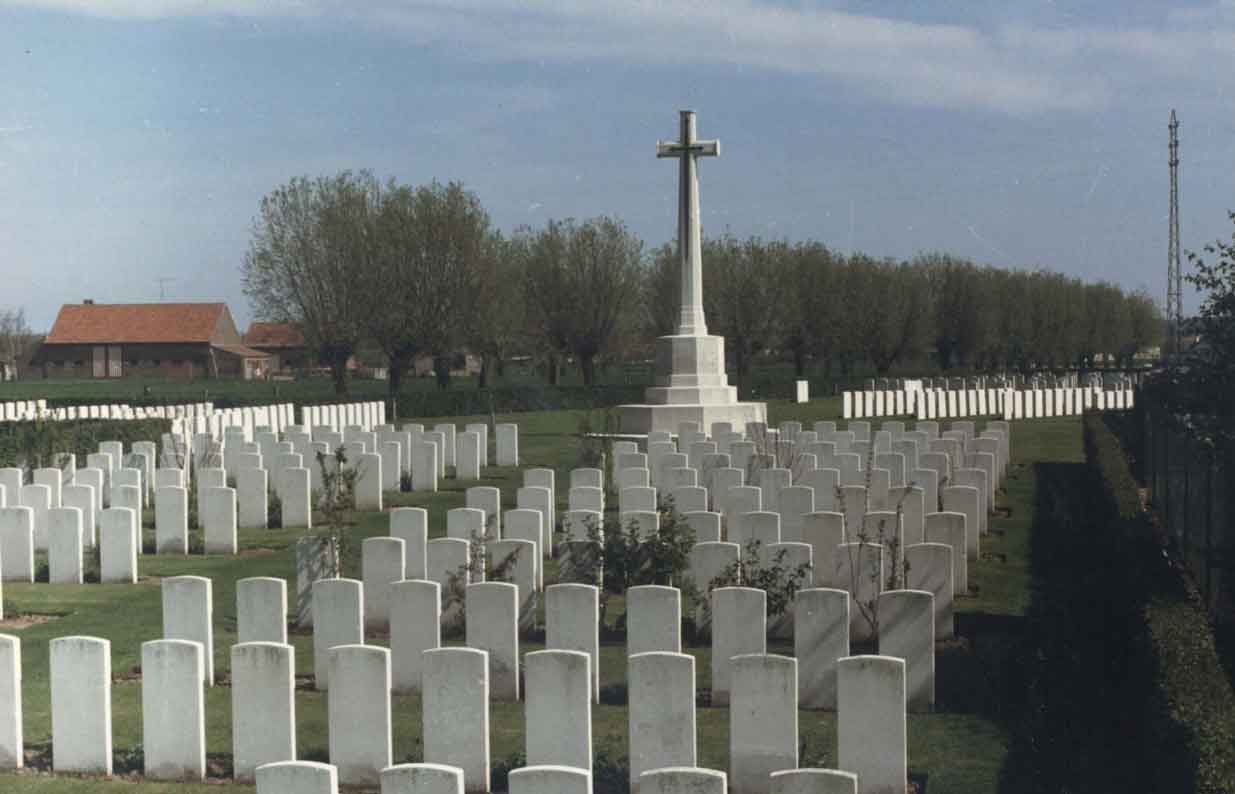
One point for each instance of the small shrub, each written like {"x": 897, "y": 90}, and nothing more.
{"x": 274, "y": 511}
{"x": 777, "y": 579}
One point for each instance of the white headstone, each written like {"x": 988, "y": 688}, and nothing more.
{"x": 572, "y": 623}
{"x": 821, "y": 637}
{"x": 415, "y": 627}
{"x": 297, "y": 777}
{"x": 381, "y": 566}
{"x": 493, "y": 626}
{"x": 558, "y": 714}
{"x": 871, "y": 723}
{"x": 455, "y": 713}
{"x": 763, "y": 720}
{"x": 173, "y": 710}
{"x": 338, "y": 619}
{"x": 739, "y": 627}
{"x": 64, "y": 545}
{"x": 263, "y": 705}
{"x": 188, "y": 614}
{"x": 81, "y": 734}
{"x": 358, "y": 710}
{"x": 907, "y": 631}
{"x": 261, "y": 609}
{"x": 661, "y": 703}
{"x": 118, "y": 540}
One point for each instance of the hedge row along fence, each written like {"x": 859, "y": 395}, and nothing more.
{"x": 1188, "y": 724}
{"x": 33, "y": 444}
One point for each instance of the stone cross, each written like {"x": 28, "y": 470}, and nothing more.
{"x": 690, "y": 259}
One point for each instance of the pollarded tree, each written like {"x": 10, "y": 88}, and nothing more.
{"x": 500, "y": 318}
{"x": 662, "y": 291}
{"x": 311, "y": 246}
{"x": 580, "y": 280}
{"x": 811, "y": 324}
{"x": 434, "y": 249}
{"x": 960, "y": 311}
{"x": 1106, "y": 322}
{"x": 742, "y": 294}
{"x": 16, "y": 341}
{"x": 1145, "y": 323}
{"x": 893, "y": 303}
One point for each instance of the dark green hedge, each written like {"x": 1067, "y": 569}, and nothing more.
{"x": 1188, "y": 724}
{"x": 34, "y": 443}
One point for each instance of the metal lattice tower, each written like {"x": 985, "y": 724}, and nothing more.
{"x": 1174, "y": 273}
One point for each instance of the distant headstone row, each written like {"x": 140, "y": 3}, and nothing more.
{"x": 1008, "y": 404}
{"x": 37, "y": 410}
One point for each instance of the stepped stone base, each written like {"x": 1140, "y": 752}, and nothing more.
{"x": 691, "y": 386}
{"x": 643, "y": 419}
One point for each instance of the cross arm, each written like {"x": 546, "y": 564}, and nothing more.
{"x": 698, "y": 149}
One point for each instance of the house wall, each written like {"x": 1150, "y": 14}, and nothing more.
{"x": 146, "y": 361}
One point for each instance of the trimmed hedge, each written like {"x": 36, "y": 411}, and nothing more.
{"x": 1188, "y": 727}
{"x": 32, "y": 444}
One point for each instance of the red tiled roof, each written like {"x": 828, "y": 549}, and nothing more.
{"x": 241, "y": 351}
{"x": 274, "y": 335}
{"x": 86, "y": 323}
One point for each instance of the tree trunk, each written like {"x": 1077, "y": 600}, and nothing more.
{"x": 587, "y": 363}
{"x": 799, "y": 361}
{"x": 441, "y": 369}
{"x": 552, "y": 362}
{"x": 482, "y": 380}
{"x": 338, "y": 371}
{"x": 394, "y": 379}
{"x": 741, "y": 360}
{"x": 500, "y": 366}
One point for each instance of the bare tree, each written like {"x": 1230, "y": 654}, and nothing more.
{"x": 579, "y": 280}
{"x": 311, "y": 245}
{"x": 16, "y": 341}
{"x": 500, "y": 318}
{"x": 743, "y": 294}
{"x": 434, "y": 247}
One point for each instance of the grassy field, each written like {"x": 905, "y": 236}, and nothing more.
{"x": 960, "y": 748}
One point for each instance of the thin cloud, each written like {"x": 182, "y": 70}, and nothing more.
{"x": 1014, "y": 69}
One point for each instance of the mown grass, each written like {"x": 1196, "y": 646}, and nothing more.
{"x": 960, "y": 748}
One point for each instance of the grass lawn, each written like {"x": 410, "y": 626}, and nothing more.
{"x": 960, "y": 748}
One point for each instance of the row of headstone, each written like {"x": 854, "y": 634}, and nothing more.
{"x": 216, "y": 422}
{"x": 1039, "y": 403}
{"x": 872, "y": 695}
{"x": 37, "y": 410}
{"x": 936, "y": 403}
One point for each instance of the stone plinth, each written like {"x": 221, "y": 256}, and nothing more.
{"x": 690, "y": 386}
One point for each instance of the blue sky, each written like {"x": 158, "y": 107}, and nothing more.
{"x": 137, "y": 138}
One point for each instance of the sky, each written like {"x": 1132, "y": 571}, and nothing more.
{"x": 137, "y": 137}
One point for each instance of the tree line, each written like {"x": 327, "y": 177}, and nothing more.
{"x": 421, "y": 270}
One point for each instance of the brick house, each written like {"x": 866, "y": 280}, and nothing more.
{"x": 175, "y": 340}
{"x": 283, "y": 342}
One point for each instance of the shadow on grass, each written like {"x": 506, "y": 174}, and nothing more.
{"x": 1069, "y": 691}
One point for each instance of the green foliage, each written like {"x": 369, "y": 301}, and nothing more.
{"x": 579, "y": 279}
{"x": 622, "y": 557}
{"x": 34, "y": 444}
{"x": 336, "y": 505}
{"x": 1189, "y": 720}
{"x": 767, "y": 572}
{"x": 274, "y": 511}
{"x": 480, "y": 567}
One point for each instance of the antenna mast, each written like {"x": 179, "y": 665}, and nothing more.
{"x": 1174, "y": 273}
